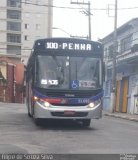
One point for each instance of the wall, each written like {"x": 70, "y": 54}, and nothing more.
{"x": 106, "y": 98}
{"x": 133, "y": 90}
{"x": 11, "y": 90}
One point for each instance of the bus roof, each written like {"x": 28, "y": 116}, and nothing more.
{"x": 71, "y": 44}
{"x": 66, "y": 46}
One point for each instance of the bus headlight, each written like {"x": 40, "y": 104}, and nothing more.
{"x": 91, "y": 105}
{"x": 94, "y": 104}
{"x": 44, "y": 103}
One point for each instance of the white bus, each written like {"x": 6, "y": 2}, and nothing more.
{"x": 64, "y": 78}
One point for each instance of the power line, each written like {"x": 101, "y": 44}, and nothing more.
{"x": 65, "y": 7}
{"x": 53, "y": 6}
{"x": 72, "y": 8}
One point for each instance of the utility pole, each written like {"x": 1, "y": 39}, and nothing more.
{"x": 49, "y": 23}
{"x": 89, "y": 20}
{"x": 114, "y": 61}
{"x": 86, "y": 12}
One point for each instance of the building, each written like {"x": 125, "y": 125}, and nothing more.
{"x": 36, "y": 23}
{"x": 126, "y": 68}
{"x": 10, "y": 28}
{"x": 22, "y": 22}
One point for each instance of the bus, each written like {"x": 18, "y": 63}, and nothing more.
{"x": 64, "y": 78}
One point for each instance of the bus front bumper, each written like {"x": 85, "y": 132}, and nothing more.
{"x": 67, "y": 112}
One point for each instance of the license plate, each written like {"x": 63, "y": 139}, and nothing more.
{"x": 83, "y": 100}
{"x": 69, "y": 112}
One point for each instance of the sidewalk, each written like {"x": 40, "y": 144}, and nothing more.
{"x": 131, "y": 117}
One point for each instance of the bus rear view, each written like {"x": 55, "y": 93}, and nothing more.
{"x": 64, "y": 80}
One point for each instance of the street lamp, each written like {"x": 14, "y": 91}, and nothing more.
{"x": 62, "y": 30}
{"x": 85, "y": 37}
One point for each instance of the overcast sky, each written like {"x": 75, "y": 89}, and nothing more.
{"x": 75, "y": 23}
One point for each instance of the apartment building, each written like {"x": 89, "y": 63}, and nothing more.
{"x": 21, "y": 23}
{"x": 10, "y": 28}
{"x": 36, "y": 23}
{"x": 126, "y": 68}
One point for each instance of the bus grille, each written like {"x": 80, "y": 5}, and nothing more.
{"x": 69, "y": 95}
{"x": 77, "y": 114}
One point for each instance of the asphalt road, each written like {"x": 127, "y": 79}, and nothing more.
{"x": 19, "y": 134}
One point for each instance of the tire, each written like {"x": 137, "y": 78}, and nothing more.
{"x": 86, "y": 122}
{"x": 28, "y": 111}
{"x": 37, "y": 121}
{"x": 29, "y": 114}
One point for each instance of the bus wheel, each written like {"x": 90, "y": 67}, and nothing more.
{"x": 29, "y": 114}
{"x": 86, "y": 122}
{"x": 37, "y": 121}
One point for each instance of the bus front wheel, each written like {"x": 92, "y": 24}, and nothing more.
{"x": 86, "y": 122}
{"x": 29, "y": 114}
{"x": 37, "y": 121}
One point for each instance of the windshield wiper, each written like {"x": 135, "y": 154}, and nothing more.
{"x": 95, "y": 69}
{"x": 60, "y": 69}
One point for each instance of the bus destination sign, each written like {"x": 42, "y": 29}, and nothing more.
{"x": 69, "y": 46}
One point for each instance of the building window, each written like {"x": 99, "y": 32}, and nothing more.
{"x": 12, "y": 14}
{"x": 14, "y": 26}
{"x": 126, "y": 43}
{"x": 14, "y": 38}
{"x": 13, "y": 49}
{"x": 26, "y": 26}
{"x": 26, "y": 38}
{"x": 105, "y": 53}
{"x": 14, "y": 3}
{"x": 110, "y": 51}
{"x": 38, "y": 26}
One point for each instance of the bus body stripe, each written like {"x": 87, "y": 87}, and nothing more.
{"x": 71, "y": 100}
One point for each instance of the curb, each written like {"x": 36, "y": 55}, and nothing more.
{"x": 122, "y": 117}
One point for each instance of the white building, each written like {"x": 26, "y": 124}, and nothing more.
{"x": 21, "y": 23}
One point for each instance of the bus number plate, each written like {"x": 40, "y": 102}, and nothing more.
{"x": 69, "y": 112}
{"x": 83, "y": 101}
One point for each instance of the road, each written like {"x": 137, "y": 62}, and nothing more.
{"x": 107, "y": 135}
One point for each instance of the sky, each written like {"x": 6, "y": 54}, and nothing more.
{"x": 75, "y": 23}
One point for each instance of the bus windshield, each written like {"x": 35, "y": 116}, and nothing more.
{"x": 68, "y": 72}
